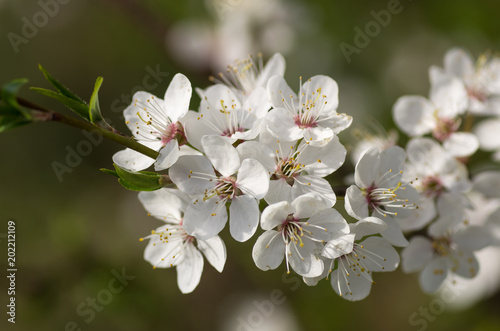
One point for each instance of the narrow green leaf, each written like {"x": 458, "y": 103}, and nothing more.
{"x": 9, "y": 96}
{"x": 60, "y": 87}
{"x": 111, "y": 172}
{"x": 94, "y": 108}
{"x": 8, "y": 122}
{"x": 138, "y": 181}
{"x": 78, "y": 107}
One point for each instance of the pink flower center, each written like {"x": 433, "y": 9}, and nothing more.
{"x": 444, "y": 128}
{"x": 174, "y": 131}
{"x": 432, "y": 186}
{"x": 305, "y": 122}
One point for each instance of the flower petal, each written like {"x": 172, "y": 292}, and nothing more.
{"x": 281, "y": 124}
{"x": 341, "y": 245}
{"x": 181, "y": 173}
{"x": 275, "y": 214}
{"x": 222, "y": 154}
{"x": 215, "y": 252}
{"x": 168, "y": 155}
{"x": 380, "y": 255}
{"x": 268, "y": 251}
{"x": 322, "y": 161}
{"x": 306, "y": 205}
{"x": 355, "y": 203}
{"x": 205, "y": 219}
{"x": 349, "y": 286}
{"x": 190, "y": 269}
{"x": 165, "y": 202}
{"x": 243, "y": 217}
{"x": 132, "y": 160}
{"x": 417, "y": 254}
{"x": 433, "y": 275}
{"x": 461, "y": 144}
{"x": 177, "y": 97}
{"x": 414, "y": 115}
{"x": 253, "y": 179}
{"x": 313, "y": 184}
{"x": 367, "y": 227}
{"x": 279, "y": 190}
{"x": 280, "y": 93}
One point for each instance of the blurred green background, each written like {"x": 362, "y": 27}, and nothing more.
{"x": 72, "y": 234}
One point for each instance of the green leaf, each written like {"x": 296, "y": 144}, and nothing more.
{"x": 9, "y": 96}
{"x": 78, "y": 107}
{"x": 138, "y": 181}
{"x": 94, "y": 108}
{"x": 110, "y": 172}
{"x": 60, "y": 87}
{"x": 8, "y": 122}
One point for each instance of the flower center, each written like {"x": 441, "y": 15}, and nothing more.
{"x": 385, "y": 200}
{"x": 174, "y": 131}
{"x": 287, "y": 168}
{"x": 225, "y": 189}
{"x": 304, "y": 122}
{"x": 441, "y": 246}
{"x": 444, "y": 128}
{"x": 432, "y": 186}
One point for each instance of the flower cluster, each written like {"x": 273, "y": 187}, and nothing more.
{"x": 258, "y": 153}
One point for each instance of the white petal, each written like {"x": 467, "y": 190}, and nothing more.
{"x": 275, "y": 214}
{"x": 165, "y": 202}
{"x": 168, "y": 155}
{"x": 326, "y": 224}
{"x": 338, "y": 122}
{"x": 258, "y": 102}
{"x": 380, "y": 255}
{"x": 355, "y": 203}
{"x": 417, "y": 254}
{"x": 136, "y": 116}
{"x": 339, "y": 246}
{"x": 393, "y": 233}
{"x": 391, "y": 164}
{"x": 488, "y": 183}
{"x": 322, "y": 161}
{"x": 278, "y": 89}
{"x": 268, "y": 251}
{"x": 275, "y": 66}
{"x": 191, "y": 174}
{"x": 449, "y": 97}
{"x": 433, "y": 275}
{"x": 205, "y": 219}
{"x": 420, "y": 217}
{"x": 314, "y": 184}
{"x": 215, "y": 252}
{"x": 350, "y": 286}
{"x": 414, "y": 115}
{"x": 253, "y": 179}
{"x": 306, "y": 205}
{"x": 222, "y": 154}
{"x": 281, "y": 124}
{"x": 464, "y": 264}
{"x": 458, "y": 62}
{"x": 487, "y": 133}
{"x": 190, "y": 269}
{"x": 304, "y": 261}
{"x": 367, "y": 226}
{"x": 323, "y": 86}
{"x": 196, "y": 127}
{"x": 132, "y": 160}
{"x": 318, "y": 136}
{"x": 367, "y": 168}
{"x": 472, "y": 238}
{"x": 243, "y": 217}
{"x": 279, "y": 190}
{"x": 258, "y": 151}
{"x": 177, "y": 97}
{"x": 163, "y": 254}
{"x": 461, "y": 144}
